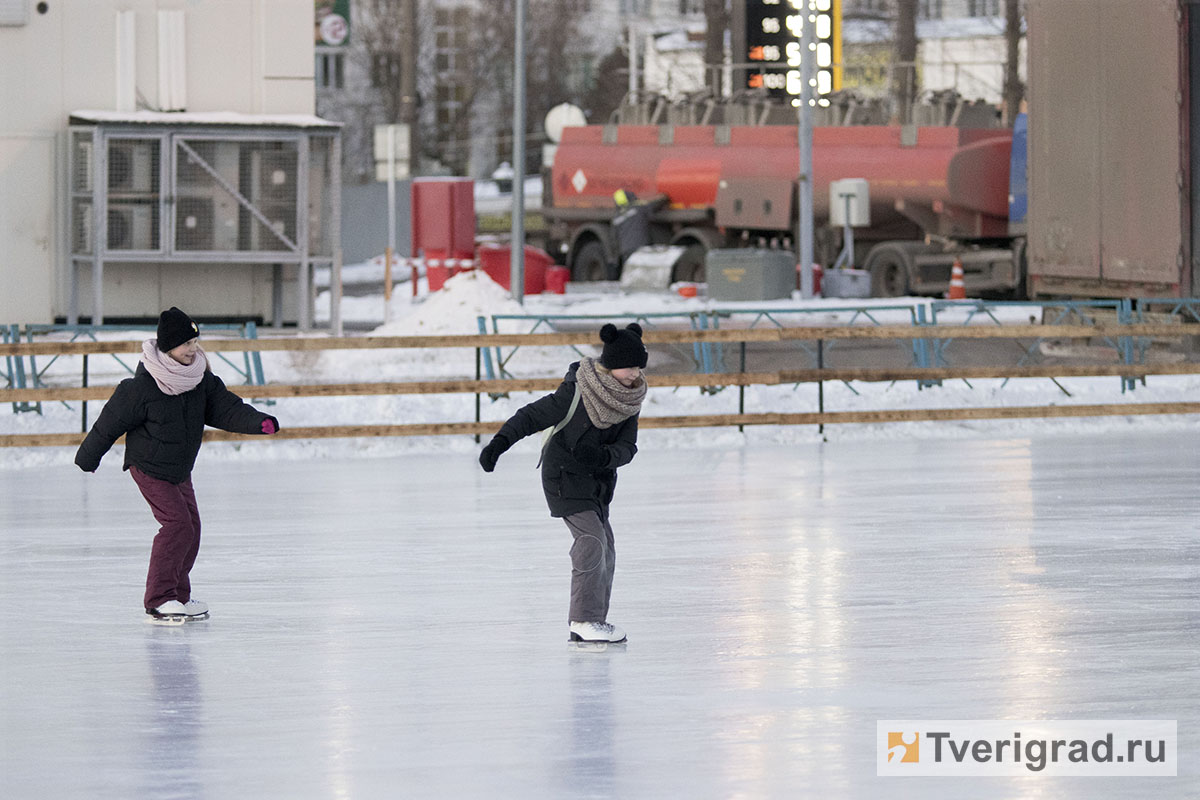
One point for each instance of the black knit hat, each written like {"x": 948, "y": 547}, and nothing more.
{"x": 174, "y": 329}
{"x": 623, "y": 348}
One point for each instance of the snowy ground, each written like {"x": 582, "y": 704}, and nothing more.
{"x": 455, "y": 311}
{"x": 397, "y": 626}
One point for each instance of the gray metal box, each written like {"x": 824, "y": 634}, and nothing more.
{"x": 750, "y": 274}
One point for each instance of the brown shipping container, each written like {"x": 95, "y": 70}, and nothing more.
{"x": 1108, "y": 183}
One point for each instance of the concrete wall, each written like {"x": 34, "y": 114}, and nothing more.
{"x": 249, "y": 56}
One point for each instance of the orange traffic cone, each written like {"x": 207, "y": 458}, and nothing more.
{"x": 957, "y": 290}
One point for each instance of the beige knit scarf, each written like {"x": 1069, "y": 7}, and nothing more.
{"x": 607, "y": 400}
{"x": 171, "y": 376}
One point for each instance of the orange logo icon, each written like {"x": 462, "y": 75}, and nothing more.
{"x": 904, "y": 747}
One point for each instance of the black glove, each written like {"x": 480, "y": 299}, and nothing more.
{"x": 591, "y": 456}
{"x": 490, "y": 454}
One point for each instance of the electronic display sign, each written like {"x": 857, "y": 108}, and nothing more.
{"x": 773, "y": 31}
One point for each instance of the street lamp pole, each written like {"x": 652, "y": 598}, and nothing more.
{"x": 804, "y": 182}
{"x": 517, "y": 250}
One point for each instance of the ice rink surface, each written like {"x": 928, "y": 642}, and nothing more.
{"x": 397, "y": 627}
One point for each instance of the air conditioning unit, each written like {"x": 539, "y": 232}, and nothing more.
{"x": 132, "y": 166}
{"x": 282, "y": 220}
{"x": 188, "y": 171}
{"x": 81, "y": 228}
{"x": 275, "y": 176}
{"x": 81, "y": 180}
{"x": 131, "y": 227}
{"x": 194, "y": 223}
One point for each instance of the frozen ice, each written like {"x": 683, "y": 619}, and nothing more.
{"x": 386, "y": 627}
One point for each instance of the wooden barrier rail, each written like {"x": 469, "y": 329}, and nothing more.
{"x": 650, "y": 337}
{"x": 506, "y": 385}
{"x": 694, "y": 421}
{"x": 478, "y": 387}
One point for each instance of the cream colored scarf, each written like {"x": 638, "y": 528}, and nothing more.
{"x": 171, "y": 376}
{"x": 607, "y": 400}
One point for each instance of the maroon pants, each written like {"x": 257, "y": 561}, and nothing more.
{"x": 178, "y": 540}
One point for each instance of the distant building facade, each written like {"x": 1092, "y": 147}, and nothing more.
{"x": 249, "y": 57}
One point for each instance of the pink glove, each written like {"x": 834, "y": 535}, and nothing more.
{"x": 269, "y": 425}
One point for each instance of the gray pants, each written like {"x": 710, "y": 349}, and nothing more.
{"x": 593, "y": 561}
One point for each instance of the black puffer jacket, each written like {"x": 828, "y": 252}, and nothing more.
{"x": 163, "y": 431}
{"x": 572, "y": 487}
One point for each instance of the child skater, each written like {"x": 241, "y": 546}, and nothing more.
{"x": 590, "y": 440}
{"x": 162, "y": 410}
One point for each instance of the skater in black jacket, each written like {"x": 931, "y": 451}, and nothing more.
{"x": 594, "y": 419}
{"x": 162, "y": 411}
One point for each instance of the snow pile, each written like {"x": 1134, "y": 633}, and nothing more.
{"x": 455, "y": 309}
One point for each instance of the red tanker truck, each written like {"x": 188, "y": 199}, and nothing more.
{"x": 1112, "y": 150}
{"x": 936, "y": 193}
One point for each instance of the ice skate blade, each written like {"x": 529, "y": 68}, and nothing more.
{"x": 576, "y": 638}
{"x": 585, "y": 646}
{"x": 175, "y": 620}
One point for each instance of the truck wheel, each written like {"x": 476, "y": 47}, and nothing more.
{"x": 690, "y": 266}
{"x": 590, "y": 263}
{"x": 889, "y": 271}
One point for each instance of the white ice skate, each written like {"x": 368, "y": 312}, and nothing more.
{"x": 596, "y": 633}
{"x": 174, "y": 612}
{"x": 196, "y": 608}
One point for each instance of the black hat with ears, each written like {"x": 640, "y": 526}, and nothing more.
{"x": 174, "y": 329}
{"x": 623, "y": 348}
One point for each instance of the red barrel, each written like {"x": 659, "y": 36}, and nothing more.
{"x": 494, "y": 259}
{"x": 556, "y": 279}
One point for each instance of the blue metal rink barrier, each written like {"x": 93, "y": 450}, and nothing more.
{"x": 928, "y": 350}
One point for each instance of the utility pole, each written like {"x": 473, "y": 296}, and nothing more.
{"x": 516, "y": 270}
{"x": 1014, "y": 91}
{"x": 804, "y": 183}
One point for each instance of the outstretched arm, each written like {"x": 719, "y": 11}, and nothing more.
{"x": 120, "y": 415}
{"x": 227, "y": 411}
{"x": 537, "y": 416}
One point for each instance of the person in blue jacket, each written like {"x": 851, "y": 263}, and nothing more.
{"x": 593, "y": 419}
{"x": 162, "y": 411}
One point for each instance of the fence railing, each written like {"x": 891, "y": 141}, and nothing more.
{"x": 480, "y": 386}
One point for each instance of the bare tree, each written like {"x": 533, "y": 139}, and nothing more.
{"x": 1014, "y": 90}
{"x": 610, "y": 88}
{"x": 550, "y": 38}
{"x": 904, "y": 70}
{"x": 388, "y": 36}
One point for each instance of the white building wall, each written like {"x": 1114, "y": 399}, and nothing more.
{"x": 249, "y": 56}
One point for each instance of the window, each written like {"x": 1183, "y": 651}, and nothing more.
{"x": 983, "y": 8}
{"x": 691, "y": 7}
{"x": 329, "y": 73}
{"x": 930, "y": 9}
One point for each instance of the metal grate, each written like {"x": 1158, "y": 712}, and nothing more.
{"x": 133, "y": 194}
